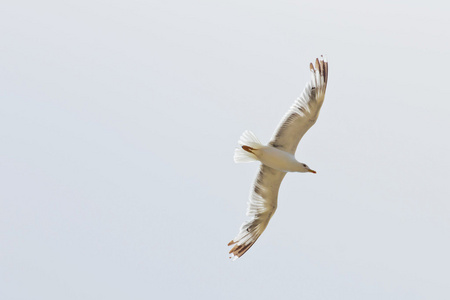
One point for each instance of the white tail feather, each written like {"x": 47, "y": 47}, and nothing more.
{"x": 250, "y": 140}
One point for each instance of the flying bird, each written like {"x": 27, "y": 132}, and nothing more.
{"x": 277, "y": 158}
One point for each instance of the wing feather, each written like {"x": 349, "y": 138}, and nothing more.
{"x": 261, "y": 207}
{"x": 304, "y": 112}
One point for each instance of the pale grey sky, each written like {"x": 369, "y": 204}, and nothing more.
{"x": 118, "y": 123}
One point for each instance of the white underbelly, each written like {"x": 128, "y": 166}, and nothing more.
{"x": 277, "y": 159}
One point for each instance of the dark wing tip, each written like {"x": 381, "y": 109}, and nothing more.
{"x": 239, "y": 250}
{"x": 321, "y": 65}
{"x": 324, "y": 69}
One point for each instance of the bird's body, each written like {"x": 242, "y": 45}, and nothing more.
{"x": 277, "y": 158}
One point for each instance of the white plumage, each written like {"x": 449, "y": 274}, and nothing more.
{"x": 277, "y": 158}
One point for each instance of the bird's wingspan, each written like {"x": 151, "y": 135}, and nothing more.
{"x": 261, "y": 207}
{"x": 305, "y": 110}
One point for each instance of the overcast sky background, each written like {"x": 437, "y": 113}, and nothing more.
{"x": 118, "y": 123}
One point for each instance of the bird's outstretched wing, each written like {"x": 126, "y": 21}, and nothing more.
{"x": 261, "y": 207}
{"x": 305, "y": 110}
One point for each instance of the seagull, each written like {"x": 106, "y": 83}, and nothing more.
{"x": 277, "y": 158}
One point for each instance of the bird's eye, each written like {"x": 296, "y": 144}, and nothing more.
{"x": 304, "y": 165}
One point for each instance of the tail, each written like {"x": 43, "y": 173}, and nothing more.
{"x": 247, "y": 143}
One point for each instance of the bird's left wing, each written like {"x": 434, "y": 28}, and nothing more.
{"x": 304, "y": 112}
{"x": 261, "y": 207}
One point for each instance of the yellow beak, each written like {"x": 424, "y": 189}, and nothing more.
{"x": 312, "y": 171}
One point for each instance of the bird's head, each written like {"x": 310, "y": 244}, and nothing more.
{"x": 304, "y": 168}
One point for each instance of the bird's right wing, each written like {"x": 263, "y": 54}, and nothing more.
{"x": 261, "y": 207}
{"x": 305, "y": 110}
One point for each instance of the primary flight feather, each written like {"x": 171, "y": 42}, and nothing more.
{"x": 277, "y": 158}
